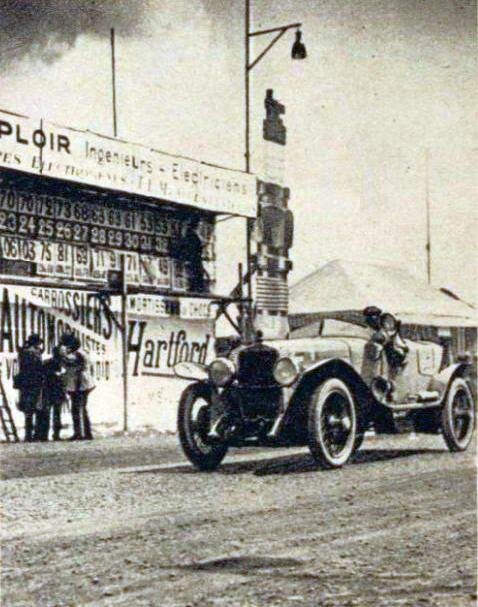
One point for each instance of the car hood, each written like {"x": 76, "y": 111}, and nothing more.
{"x": 310, "y": 350}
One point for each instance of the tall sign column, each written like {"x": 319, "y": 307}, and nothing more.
{"x": 275, "y": 227}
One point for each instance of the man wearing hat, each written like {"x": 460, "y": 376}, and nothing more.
{"x": 78, "y": 383}
{"x": 29, "y": 382}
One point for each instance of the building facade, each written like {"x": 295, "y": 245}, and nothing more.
{"x": 76, "y": 208}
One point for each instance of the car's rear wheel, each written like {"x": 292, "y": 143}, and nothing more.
{"x": 332, "y": 428}
{"x": 194, "y": 417}
{"x": 458, "y": 415}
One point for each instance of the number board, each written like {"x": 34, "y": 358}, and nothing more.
{"x": 81, "y": 262}
{"x": 100, "y": 223}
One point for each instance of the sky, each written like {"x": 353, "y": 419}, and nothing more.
{"x": 385, "y": 83}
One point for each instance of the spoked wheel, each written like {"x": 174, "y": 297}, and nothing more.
{"x": 194, "y": 417}
{"x": 333, "y": 424}
{"x": 458, "y": 416}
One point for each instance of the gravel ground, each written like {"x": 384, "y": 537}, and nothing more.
{"x": 119, "y": 522}
{"x": 64, "y": 457}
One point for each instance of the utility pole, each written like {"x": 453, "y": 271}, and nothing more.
{"x": 249, "y": 221}
{"x": 113, "y": 82}
{"x": 124, "y": 285}
{"x": 247, "y": 19}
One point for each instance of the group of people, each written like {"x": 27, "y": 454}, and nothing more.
{"x": 46, "y": 385}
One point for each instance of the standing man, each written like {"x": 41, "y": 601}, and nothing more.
{"x": 78, "y": 383}
{"x": 29, "y": 383}
{"x": 53, "y": 395}
{"x": 191, "y": 253}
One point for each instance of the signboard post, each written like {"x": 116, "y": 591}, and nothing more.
{"x": 124, "y": 340}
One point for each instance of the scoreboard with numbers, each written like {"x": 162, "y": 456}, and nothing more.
{"x": 80, "y": 235}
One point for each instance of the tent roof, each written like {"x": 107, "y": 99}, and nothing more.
{"x": 340, "y": 286}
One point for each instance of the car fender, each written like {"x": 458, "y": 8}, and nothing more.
{"x": 191, "y": 370}
{"x": 442, "y": 380}
{"x": 296, "y": 397}
{"x": 331, "y": 367}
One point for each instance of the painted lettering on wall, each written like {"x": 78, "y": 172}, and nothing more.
{"x": 71, "y": 312}
{"x": 153, "y": 355}
{"x": 37, "y": 137}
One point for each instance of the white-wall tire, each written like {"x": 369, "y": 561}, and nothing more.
{"x": 332, "y": 424}
{"x": 458, "y": 416}
{"x": 193, "y": 426}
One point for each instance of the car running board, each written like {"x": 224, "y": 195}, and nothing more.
{"x": 425, "y": 398}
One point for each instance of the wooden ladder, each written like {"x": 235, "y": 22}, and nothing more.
{"x": 6, "y": 418}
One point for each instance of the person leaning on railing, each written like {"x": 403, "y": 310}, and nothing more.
{"x": 188, "y": 250}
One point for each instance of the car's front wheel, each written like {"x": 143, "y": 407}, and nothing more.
{"x": 194, "y": 421}
{"x": 458, "y": 416}
{"x": 332, "y": 429}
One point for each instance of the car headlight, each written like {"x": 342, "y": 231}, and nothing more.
{"x": 285, "y": 371}
{"x": 221, "y": 371}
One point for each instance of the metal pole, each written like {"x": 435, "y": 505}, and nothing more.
{"x": 427, "y": 200}
{"x": 41, "y": 148}
{"x": 241, "y": 306}
{"x": 113, "y": 82}
{"x": 124, "y": 287}
{"x": 247, "y": 145}
{"x": 246, "y": 83}
{"x": 124, "y": 340}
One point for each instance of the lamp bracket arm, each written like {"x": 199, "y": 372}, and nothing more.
{"x": 281, "y": 28}
{"x": 267, "y": 49}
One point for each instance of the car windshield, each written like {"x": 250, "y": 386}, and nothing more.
{"x": 330, "y": 327}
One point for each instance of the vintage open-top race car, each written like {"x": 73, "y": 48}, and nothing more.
{"x": 324, "y": 387}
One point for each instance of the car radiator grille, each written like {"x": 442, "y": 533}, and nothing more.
{"x": 256, "y": 365}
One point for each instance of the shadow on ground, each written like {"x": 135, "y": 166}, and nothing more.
{"x": 244, "y": 564}
{"x": 282, "y": 568}
{"x": 290, "y": 464}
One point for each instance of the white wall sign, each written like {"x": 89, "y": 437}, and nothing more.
{"x": 157, "y": 340}
{"x": 192, "y": 308}
{"x": 44, "y": 148}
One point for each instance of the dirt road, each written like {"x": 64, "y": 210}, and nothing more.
{"x": 117, "y": 522}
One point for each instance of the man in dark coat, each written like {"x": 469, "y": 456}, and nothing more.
{"x": 190, "y": 252}
{"x": 30, "y": 380}
{"x": 53, "y": 394}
